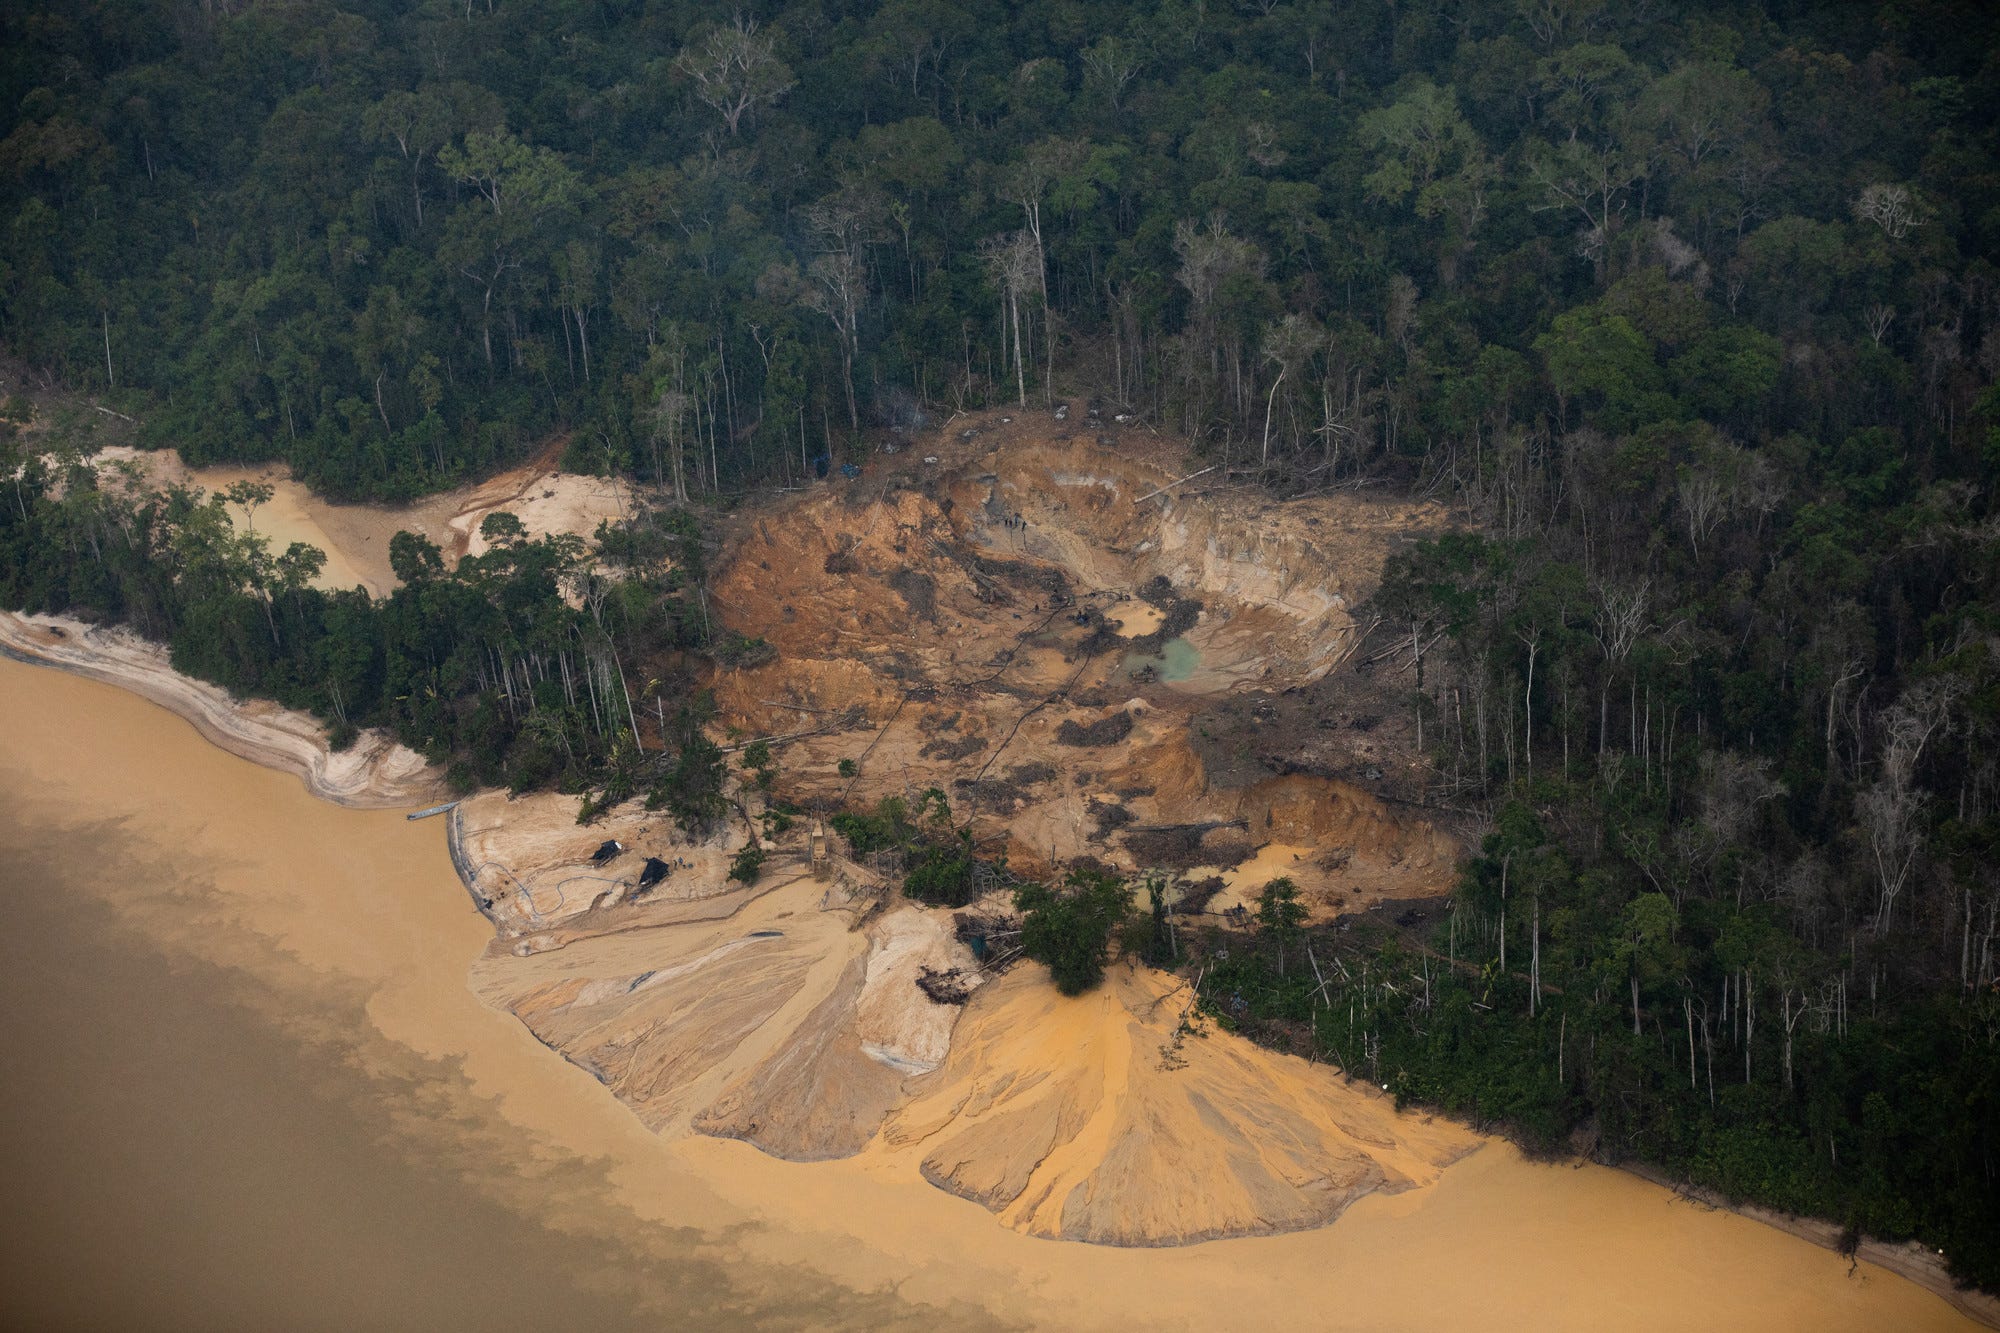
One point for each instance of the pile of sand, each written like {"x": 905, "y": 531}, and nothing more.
{"x": 374, "y": 772}
{"x": 891, "y": 1026}
{"x": 764, "y": 1015}
{"x": 1100, "y": 1119}
{"x": 755, "y": 1014}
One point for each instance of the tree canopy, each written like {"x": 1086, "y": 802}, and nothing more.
{"x": 1689, "y": 311}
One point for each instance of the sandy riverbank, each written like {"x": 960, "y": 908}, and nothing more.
{"x": 373, "y": 773}
{"x": 772, "y": 1015}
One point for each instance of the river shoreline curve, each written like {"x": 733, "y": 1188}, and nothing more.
{"x": 374, "y": 773}
{"x": 377, "y": 773}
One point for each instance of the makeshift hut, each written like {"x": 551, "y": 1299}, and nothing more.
{"x": 653, "y": 872}
{"x": 606, "y": 852}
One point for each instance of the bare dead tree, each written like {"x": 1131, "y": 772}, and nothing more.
{"x": 1013, "y": 262}
{"x": 734, "y": 70}
{"x": 1891, "y": 807}
{"x": 1894, "y": 208}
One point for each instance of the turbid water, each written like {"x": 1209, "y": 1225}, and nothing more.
{"x": 249, "y": 1087}
{"x": 1176, "y": 660}
{"x": 204, "y": 1127}
{"x": 188, "y": 1149}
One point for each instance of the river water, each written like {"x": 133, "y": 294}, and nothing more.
{"x": 204, "y": 1127}
{"x": 247, "y": 1087}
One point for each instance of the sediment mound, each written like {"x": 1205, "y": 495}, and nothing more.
{"x": 818, "y": 1095}
{"x": 1097, "y": 1119}
{"x": 755, "y": 1014}
{"x": 766, "y": 1016}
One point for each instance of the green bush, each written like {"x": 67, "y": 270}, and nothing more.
{"x": 1069, "y": 928}
{"x": 748, "y": 865}
{"x": 865, "y": 833}
{"x": 941, "y": 876}
{"x": 743, "y": 652}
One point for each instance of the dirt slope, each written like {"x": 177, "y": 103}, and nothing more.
{"x": 776, "y": 1017}
{"x": 1025, "y": 624}
{"x": 1091, "y": 1119}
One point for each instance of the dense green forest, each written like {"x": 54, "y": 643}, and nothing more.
{"x": 487, "y": 667}
{"x": 1689, "y": 308}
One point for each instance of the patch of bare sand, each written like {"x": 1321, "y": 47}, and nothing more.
{"x": 1099, "y": 1119}
{"x": 535, "y": 865}
{"x": 773, "y": 1019}
{"x": 891, "y": 1024}
{"x": 545, "y": 499}
{"x": 375, "y": 772}
{"x": 295, "y": 514}
{"x": 292, "y": 514}
{"x": 356, "y": 537}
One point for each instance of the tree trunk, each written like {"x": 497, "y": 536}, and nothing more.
{"x": 1749, "y": 999}
{"x": 1020, "y": 375}
{"x": 1687, "y": 1008}
{"x": 1535, "y": 962}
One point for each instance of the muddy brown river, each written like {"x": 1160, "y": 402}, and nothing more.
{"x": 247, "y": 1086}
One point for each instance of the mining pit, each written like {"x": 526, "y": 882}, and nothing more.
{"x": 1095, "y": 661}
{"x": 1035, "y": 627}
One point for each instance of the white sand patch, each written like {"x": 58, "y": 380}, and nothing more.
{"x": 898, "y": 1024}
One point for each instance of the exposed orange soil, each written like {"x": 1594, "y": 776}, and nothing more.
{"x": 941, "y": 632}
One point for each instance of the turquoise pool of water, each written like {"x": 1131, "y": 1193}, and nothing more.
{"x": 1176, "y": 660}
